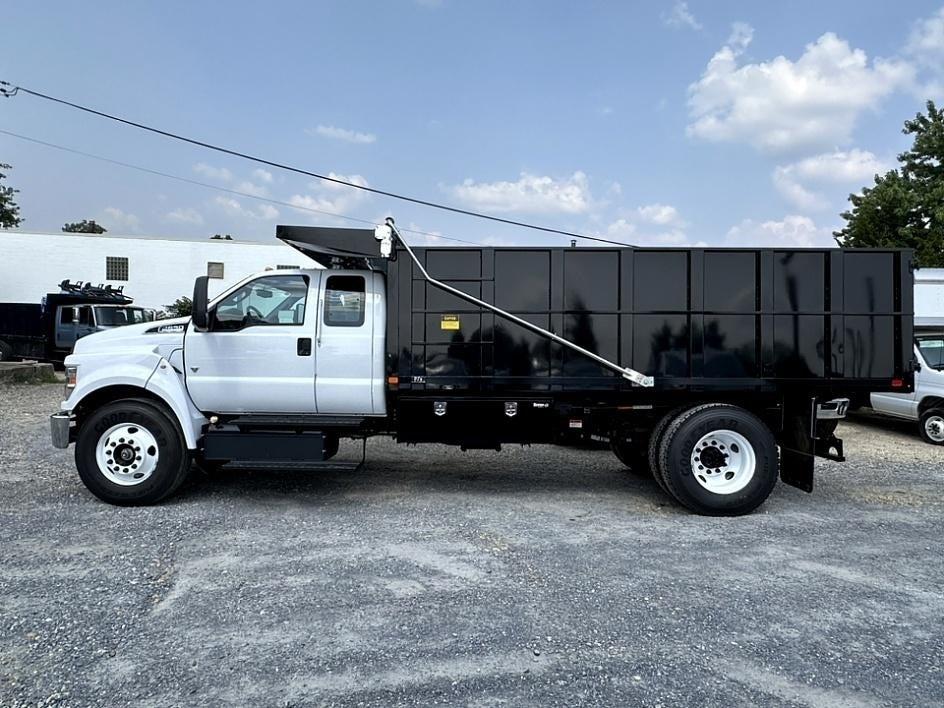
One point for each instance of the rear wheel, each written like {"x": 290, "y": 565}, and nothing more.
{"x": 719, "y": 460}
{"x": 6, "y": 352}
{"x": 631, "y": 454}
{"x": 655, "y": 439}
{"x": 131, "y": 452}
{"x": 932, "y": 426}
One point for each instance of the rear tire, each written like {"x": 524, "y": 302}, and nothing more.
{"x": 6, "y": 352}
{"x": 633, "y": 456}
{"x": 655, "y": 439}
{"x": 931, "y": 426}
{"x": 719, "y": 460}
{"x": 131, "y": 452}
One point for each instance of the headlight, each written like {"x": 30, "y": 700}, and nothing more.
{"x": 72, "y": 375}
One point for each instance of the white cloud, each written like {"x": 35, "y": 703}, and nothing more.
{"x": 853, "y": 167}
{"x": 681, "y": 17}
{"x": 114, "y": 219}
{"x": 793, "y": 231}
{"x": 660, "y": 214}
{"x": 652, "y": 224}
{"x": 234, "y": 208}
{"x": 349, "y": 136}
{"x": 185, "y": 216}
{"x": 926, "y": 42}
{"x": 262, "y": 175}
{"x": 781, "y": 104}
{"x": 529, "y": 193}
{"x": 220, "y": 174}
{"x": 248, "y": 187}
{"x": 925, "y": 46}
{"x": 332, "y": 197}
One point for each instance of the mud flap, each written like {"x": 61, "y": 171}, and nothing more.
{"x": 804, "y": 438}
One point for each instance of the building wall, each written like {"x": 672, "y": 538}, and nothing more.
{"x": 159, "y": 270}
{"x": 929, "y": 297}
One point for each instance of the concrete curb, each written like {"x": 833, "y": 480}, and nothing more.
{"x": 27, "y": 372}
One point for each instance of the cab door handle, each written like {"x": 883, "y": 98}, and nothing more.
{"x": 304, "y": 346}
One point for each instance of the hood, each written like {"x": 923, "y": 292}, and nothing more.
{"x": 166, "y": 335}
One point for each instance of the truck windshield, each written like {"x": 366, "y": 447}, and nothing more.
{"x": 119, "y": 316}
{"x": 932, "y": 350}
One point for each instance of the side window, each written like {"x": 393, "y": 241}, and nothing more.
{"x": 66, "y": 315}
{"x": 932, "y": 350}
{"x": 85, "y": 315}
{"x": 345, "y": 297}
{"x": 268, "y": 301}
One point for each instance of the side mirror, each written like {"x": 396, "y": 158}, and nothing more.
{"x": 198, "y": 311}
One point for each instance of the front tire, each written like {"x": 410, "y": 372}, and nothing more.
{"x": 719, "y": 460}
{"x": 131, "y": 453}
{"x": 932, "y": 426}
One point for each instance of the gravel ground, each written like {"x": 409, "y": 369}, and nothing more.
{"x": 542, "y": 576}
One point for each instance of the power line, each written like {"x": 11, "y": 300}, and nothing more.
{"x": 236, "y": 192}
{"x": 14, "y": 90}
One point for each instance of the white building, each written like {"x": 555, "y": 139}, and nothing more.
{"x": 929, "y": 297}
{"x": 153, "y": 271}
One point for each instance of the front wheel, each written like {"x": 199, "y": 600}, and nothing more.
{"x": 130, "y": 453}
{"x": 719, "y": 460}
{"x": 932, "y": 426}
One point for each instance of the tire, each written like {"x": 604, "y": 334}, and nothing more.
{"x": 931, "y": 426}
{"x": 331, "y": 445}
{"x": 633, "y": 456}
{"x": 655, "y": 439}
{"x": 6, "y": 352}
{"x": 158, "y": 468}
{"x": 740, "y": 456}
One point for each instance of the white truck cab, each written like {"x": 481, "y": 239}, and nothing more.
{"x": 285, "y": 347}
{"x": 926, "y": 403}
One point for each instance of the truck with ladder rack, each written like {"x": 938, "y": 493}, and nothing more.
{"x": 718, "y": 371}
{"x": 48, "y": 330}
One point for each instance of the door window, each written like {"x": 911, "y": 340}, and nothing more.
{"x": 268, "y": 301}
{"x": 932, "y": 351}
{"x": 344, "y": 301}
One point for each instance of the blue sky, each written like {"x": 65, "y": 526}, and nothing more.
{"x": 661, "y": 122}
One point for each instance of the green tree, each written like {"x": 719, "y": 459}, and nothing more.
{"x": 86, "y": 226}
{"x": 905, "y": 207}
{"x": 181, "y": 307}
{"x": 9, "y": 211}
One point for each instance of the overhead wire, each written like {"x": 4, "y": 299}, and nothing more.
{"x": 226, "y": 190}
{"x": 15, "y": 89}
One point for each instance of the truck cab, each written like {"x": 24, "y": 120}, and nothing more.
{"x": 291, "y": 341}
{"x": 925, "y": 404}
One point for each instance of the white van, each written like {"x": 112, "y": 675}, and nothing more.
{"x": 926, "y": 403}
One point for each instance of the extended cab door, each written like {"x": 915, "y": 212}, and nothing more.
{"x": 350, "y": 345}
{"x": 257, "y": 355}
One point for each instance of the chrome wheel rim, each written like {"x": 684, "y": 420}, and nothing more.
{"x": 126, "y": 454}
{"x": 723, "y": 462}
{"x": 934, "y": 427}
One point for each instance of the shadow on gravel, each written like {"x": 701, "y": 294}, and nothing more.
{"x": 908, "y": 428}
{"x": 474, "y": 477}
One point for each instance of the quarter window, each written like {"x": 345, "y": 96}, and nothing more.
{"x": 267, "y": 301}
{"x": 932, "y": 349}
{"x": 344, "y": 301}
{"x": 116, "y": 268}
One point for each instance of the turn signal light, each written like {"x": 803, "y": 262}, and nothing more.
{"x": 393, "y": 380}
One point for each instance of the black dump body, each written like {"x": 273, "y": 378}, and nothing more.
{"x": 829, "y": 321}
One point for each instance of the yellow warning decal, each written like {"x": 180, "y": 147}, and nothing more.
{"x": 449, "y": 322}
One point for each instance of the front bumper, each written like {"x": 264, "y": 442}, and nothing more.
{"x": 60, "y": 429}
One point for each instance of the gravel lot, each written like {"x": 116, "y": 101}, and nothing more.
{"x": 542, "y": 576}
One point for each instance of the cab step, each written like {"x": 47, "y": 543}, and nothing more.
{"x": 292, "y": 466}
